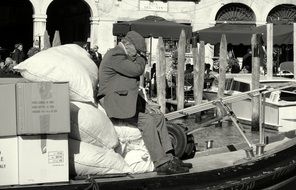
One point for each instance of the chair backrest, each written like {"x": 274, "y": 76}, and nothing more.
{"x": 287, "y": 66}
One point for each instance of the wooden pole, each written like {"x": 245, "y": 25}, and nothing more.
{"x": 150, "y": 53}
{"x": 160, "y": 75}
{"x": 199, "y": 80}
{"x": 196, "y": 63}
{"x": 222, "y": 66}
{"x": 181, "y": 64}
{"x": 256, "y": 45}
{"x": 222, "y": 72}
{"x": 269, "y": 44}
{"x": 294, "y": 48}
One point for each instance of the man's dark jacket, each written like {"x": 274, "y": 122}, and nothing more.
{"x": 119, "y": 83}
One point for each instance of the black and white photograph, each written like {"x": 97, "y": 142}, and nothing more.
{"x": 147, "y": 94}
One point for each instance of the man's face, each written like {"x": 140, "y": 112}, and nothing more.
{"x": 131, "y": 50}
{"x": 20, "y": 47}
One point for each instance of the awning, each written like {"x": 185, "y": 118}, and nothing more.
{"x": 242, "y": 34}
{"x": 282, "y": 33}
{"x": 235, "y": 33}
{"x": 153, "y": 26}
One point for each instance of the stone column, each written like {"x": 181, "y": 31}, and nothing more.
{"x": 39, "y": 26}
{"x": 94, "y": 30}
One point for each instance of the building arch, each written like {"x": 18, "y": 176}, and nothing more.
{"x": 284, "y": 14}
{"x": 70, "y": 18}
{"x": 235, "y": 12}
{"x": 221, "y": 5}
{"x": 40, "y": 18}
{"x": 16, "y": 25}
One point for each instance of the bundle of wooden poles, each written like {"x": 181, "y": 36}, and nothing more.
{"x": 198, "y": 53}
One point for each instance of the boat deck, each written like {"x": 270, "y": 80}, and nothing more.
{"x": 206, "y": 164}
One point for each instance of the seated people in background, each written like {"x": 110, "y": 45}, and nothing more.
{"x": 18, "y": 54}
{"x": 119, "y": 74}
{"x": 233, "y": 65}
{"x": 188, "y": 75}
{"x": 7, "y": 69}
{"x": 95, "y": 55}
{"x": 247, "y": 62}
{"x": 8, "y": 65}
{"x": 33, "y": 50}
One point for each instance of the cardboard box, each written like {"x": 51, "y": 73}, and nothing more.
{"x": 42, "y": 108}
{"x": 8, "y": 161}
{"x": 43, "y": 159}
{"x": 7, "y": 110}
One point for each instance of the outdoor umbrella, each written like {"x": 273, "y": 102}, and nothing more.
{"x": 242, "y": 33}
{"x": 235, "y": 33}
{"x": 153, "y": 26}
{"x": 56, "y": 39}
{"x": 46, "y": 40}
{"x": 282, "y": 33}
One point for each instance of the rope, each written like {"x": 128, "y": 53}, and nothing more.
{"x": 93, "y": 184}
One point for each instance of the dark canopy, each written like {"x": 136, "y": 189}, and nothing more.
{"x": 153, "y": 26}
{"x": 241, "y": 34}
{"x": 282, "y": 33}
{"x": 235, "y": 34}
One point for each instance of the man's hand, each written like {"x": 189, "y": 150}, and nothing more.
{"x": 152, "y": 108}
{"x": 142, "y": 54}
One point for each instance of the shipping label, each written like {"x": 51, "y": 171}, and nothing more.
{"x": 2, "y": 161}
{"x": 56, "y": 157}
{"x": 44, "y": 106}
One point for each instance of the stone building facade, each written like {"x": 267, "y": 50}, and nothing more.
{"x": 199, "y": 14}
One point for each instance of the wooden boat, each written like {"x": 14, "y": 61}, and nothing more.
{"x": 212, "y": 169}
{"x": 280, "y": 105}
{"x": 232, "y": 167}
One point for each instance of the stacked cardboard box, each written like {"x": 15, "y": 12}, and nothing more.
{"x": 34, "y": 127}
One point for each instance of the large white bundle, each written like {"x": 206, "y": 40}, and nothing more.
{"x": 139, "y": 161}
{"x": 69, "y": 63}
{"x": 87, "y": 159}
{"x": 132, "y": 148}
{"x": 91, "y": 125}
{"x": 127, "y": 132}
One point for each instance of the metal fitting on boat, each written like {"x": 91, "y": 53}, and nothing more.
{"x": 249, "y": 153}
{"x": 209, "y": 144}
{"x": 260, "y": 149}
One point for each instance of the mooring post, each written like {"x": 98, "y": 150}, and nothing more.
{"x": 294, "y": 48}
{"x": 181, "y": 64}
{"x": 222, "y": 70}
{"x": 269, "y": 44}
{"x": 160, "y": 75}
{"x": 199, "y": 80}
{"x": 196, "y": 62}
{"x": 256, "y": 45}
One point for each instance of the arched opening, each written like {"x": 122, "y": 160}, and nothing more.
{"x": 282, "y": 14}
{"x": 235, "y": 12}
{"x": 16, "y": 25}
{"x": 71, "y": 18}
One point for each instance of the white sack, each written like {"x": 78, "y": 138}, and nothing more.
{"x": 132, "y": 148}
{"x": 127, "y": 132}
{"x": 139, "y": 161}
{"x": 87, "y": 159}
{"x": 91, "y": 125}
{"x": 69, "y": 63}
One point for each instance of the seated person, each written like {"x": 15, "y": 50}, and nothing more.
{"x": 118, "y": 92}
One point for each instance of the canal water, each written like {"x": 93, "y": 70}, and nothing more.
{"x": 225, "y": 135}
{"x": 221, "y": 135}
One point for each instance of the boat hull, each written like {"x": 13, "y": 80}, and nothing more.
{"x": 278, "y": 116}
{"x": 275, "y": 166}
